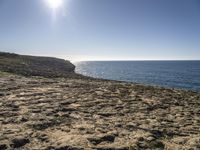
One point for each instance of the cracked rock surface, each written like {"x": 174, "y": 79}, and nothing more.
{"x": 39, "y": 113}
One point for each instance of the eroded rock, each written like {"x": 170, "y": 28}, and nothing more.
{"x": 19, "y": 142}
{"x": 68, "y": 113}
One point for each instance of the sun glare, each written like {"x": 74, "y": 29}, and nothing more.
{"x": 55, "y": 4}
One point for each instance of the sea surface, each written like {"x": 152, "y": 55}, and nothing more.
{"x": 172, "y": 74}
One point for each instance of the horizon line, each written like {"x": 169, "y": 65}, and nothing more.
{"x": 81, "y": 60}
{"x": 142, "y": 60}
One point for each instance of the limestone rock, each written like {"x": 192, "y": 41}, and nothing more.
{"x": 19, "y": 142}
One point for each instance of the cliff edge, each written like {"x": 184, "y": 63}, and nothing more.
{"x": 35, "y": 66}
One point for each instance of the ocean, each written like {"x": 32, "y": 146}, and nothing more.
{"x": 172, "y": 74}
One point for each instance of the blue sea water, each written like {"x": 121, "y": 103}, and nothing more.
{"x": 172, "y": 74}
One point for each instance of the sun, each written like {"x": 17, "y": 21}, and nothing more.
{"x": 55, "y": 4}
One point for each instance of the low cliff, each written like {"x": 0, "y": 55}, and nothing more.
{"x": 35, "y": 66}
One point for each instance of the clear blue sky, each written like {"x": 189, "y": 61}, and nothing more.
{"x": 102, "y": 29}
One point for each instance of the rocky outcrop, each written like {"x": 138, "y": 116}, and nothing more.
{"x": 35, "y": 66}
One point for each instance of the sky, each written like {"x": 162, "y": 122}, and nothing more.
{"x": 102, "y": 29}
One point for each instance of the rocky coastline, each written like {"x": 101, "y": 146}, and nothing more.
{"x": 73, "y": 112}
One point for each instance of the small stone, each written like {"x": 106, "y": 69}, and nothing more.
{"x": 19, "y": 142}
{"x": 140, "y": 139}
{"x": 2, "y": 94}
{"x": 3, "y": 146}
{"x": 150, "y": 138}
{"x": 157, "y": 144}
{"x": 23, "y": 119}
{"x": 106, "y": 138}
{"x": 67, "y": 109}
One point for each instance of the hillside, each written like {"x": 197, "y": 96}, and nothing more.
{"x": 35, "y": 66}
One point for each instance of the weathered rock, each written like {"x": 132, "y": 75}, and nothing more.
{"x": 156, "y": 145}
{"x": 114, "y": 148}
{"x": 3, "y": 146}
{"x": 67, "y": 113}
{"x": 2, "y": 94}
{"x": 64, "y": 147}
{"x": 104, "y": 138}
{"x": 35, "y": 66}
{"x": 19, "y": 142}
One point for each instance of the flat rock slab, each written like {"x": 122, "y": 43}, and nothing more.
{"x": 70, "y": 113}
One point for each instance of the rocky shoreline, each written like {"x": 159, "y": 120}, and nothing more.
{"x": 82, "y": 113}
{"x": 47, "y": 106}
